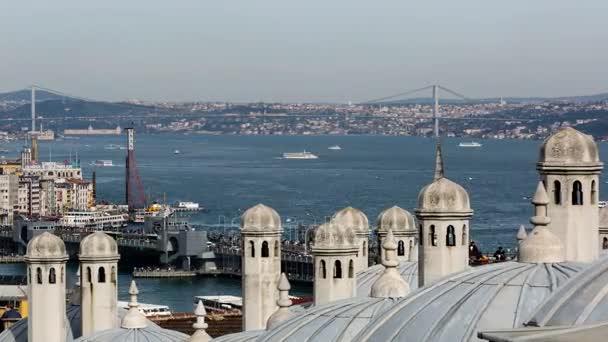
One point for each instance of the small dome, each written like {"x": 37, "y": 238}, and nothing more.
{"x": 46, "y": 246}
{"x": 396, "y": 219}
{"x": 365, "y": 279}
{"x": 330, "y": 235}
{"x": 456, "y": 308}
{"x": 541, "y": 245}
{"x": 98, "y": 245}
{"x": 443, "y": 195}
{"x": 260, "y": 218}
{"x": 352, "y": 218}
{"x": 569, "y": 147}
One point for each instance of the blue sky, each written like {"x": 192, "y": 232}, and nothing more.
{"x": 281, "y": 50}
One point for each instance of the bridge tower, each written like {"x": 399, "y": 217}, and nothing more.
{"x": 134, "y": 189}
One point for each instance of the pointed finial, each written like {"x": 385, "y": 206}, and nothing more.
{"x": 390, "y": 284}
{"x": 283, "y": 313}
{"x": 133, "y": 319}
{"x": 438, "y": 163}
{"x": 540, "y": 196}
{"x": 521, "y": 234}
{"x": 200, "y": 335}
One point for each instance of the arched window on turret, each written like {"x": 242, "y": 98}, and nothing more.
{"x": 29, "y": 274}
{"x": 465, "y": 241}
{"x": 252, "y": 249}
{"x": 364, "y": 248}
{"x": 276, "y": 248}
{"x": 605, "y": 243}
{"x": 593, "y": 192}
{"x": 450, "y": 236}
{"x": 101, "y": 275}
{"x": 39, "y": 275}
{"x": 432, "y": 236}
{"x": 62, "y": 275}
{"x": 577, "y": 193}
{"x": 52, "y": 276}
{"x": 113, "y": 275}
{"x": 351, "y": 269}
{"x": 421, "y": 235}
{"x": 89, "y": 279}
{"x": 323, "y": 269}
{"x": 265, "y": 251}
{"x": 337, "y": 269}
{"x": 557, "y": 192}
{"x": 400, "y": 248}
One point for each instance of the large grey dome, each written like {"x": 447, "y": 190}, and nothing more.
{"x": 365, "y": 279}
{"x": 337, "y": 321}
{"x": 584, "y": 300}
{"x": 569, "y": 147}
{"x": 496, "y": 296}
{"x": 151, "y": 333}
{"x": 245, "y": 336}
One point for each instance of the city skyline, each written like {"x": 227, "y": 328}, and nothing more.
{"x": 313, "y": 52}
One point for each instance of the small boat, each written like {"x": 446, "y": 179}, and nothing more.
{"x": 299, "y": 155}
{"x": 176, "y": 152}
{"x": 469, "y": 144}
{"x": 334, "y": 148}
{"x": 602, "y": 204}
{"x": 103, "y": 163}
{"x": 114, "y": 147}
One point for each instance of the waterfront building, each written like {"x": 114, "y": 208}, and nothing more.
{"x": 92, "y": 131}
{"x": 52, "y": 170}
{"x": 9, "y": 189}
{"x": 28, "y": 196}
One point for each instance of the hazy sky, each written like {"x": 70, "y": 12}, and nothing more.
{"x": 312, "y": 50}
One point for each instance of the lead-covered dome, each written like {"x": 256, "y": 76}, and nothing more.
{"x": 330, "y": 235}
{"x": 396, "y": 219}
{"x": 260, "y": 218}
{"x": 497, "y": 296}
{"x": 352, "y": 218}
{"x": 46, "y": 246}
{"x": 569, "y": 147}
{"x": 151, "y": 333}
{"x": 443, "y": 195}
{"x": 98, "y": 246}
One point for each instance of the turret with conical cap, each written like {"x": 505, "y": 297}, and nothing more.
{"x": 443, "y": 215}
{"x": 200, "y": 334}
{"x": 390, "y": 284}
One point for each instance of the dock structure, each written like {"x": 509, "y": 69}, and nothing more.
{"x": 163, "y": 273}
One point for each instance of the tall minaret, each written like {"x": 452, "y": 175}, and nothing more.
{"x": 569, "y": 167}
{"x": 335, "y": 261}
{"x": 98, "y": 287}
{"x": 443, "y": 216}
{"x": 46, "y": 258}
{"x": 403, "y": 226}
{"x": 261, "y": 263}
{"x": 356, "y": 220}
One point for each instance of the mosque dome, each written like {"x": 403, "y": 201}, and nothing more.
{"x": 245, "y": 336}
{"x": 45, "y": 246}
{"x": 98, "y": 246}
{"x": 497, "y": 296}
{"x": 150, "y": 333}
{"x": 584, "y": 301}
{"x": 331, "y": 235}
{"x": 443, "y": 196}
{"x": 352, "y": 218}
{"x": 366, "y": 278}
{"x": 569, "y": 147}
{"x": 260, "y": 218}
{"x": 396, "y": 219}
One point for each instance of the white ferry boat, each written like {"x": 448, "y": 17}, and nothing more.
{"x": 148, "y": 310}
{"x": 94, "y": 220}
{"x": 299, "y": 155}
{"x": 187, "y": 206}
{"x": 176, "y": 152}
{"x": 114, "y": 147}
{"x": 469, "y": 144}
{"x": 103, "y": 163}
{"x": 334, "y": 148}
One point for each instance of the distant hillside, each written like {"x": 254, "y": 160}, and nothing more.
{"x": 77, "y": 108}
{"x": 25, "y": 95}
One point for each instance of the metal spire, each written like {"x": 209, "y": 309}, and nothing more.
{"x": 438, "y": 163}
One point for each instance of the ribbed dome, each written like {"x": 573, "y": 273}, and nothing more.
{"x": 583, "y": 301}
{"x": 98, "y": 245}
{"x": 350, "y": 217}
{"x": 445, "y": 196}
{"x": 260, "y": 218}
{"x": 365, "y": 279}
{"x": 245, "y": 336}
{"x": 147, "y": 334}
{"x": 569, "y": 147}
{"x": 396, "y": 219}
{"x": 496, "y": 296}
{"x": 336, "y": 321}
{"x": 46, "y": 246}
{"x": 330, "y": 235}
